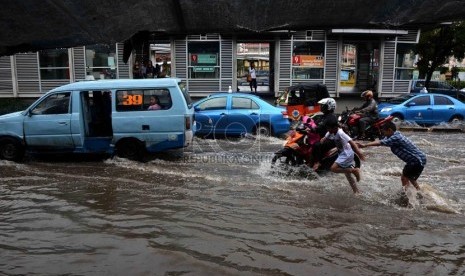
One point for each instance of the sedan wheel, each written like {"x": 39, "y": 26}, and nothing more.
{"x": 397, "y": 121}
{"x": 456, "y": 120}
{"x": 263, "y": 131}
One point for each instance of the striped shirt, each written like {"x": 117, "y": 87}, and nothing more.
{"x": 403, "y": 148}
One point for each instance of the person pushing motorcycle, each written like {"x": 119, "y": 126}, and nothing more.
{"x": 368, "y": 111}
{"x": 403, "y": 148}
{"x": 347, "y": 149}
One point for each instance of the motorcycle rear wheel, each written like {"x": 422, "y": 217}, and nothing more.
{"x": 285, "y": 160}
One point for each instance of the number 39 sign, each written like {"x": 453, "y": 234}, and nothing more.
{"x": 132, "y": 99}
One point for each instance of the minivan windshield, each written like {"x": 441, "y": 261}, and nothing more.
{"x": 186, "y": 95}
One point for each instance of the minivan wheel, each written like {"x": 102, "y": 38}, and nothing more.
{"x": 11, "y": 149}
{"x": 132, "y": 150}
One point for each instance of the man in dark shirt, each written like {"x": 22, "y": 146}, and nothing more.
{"x": 403, "y": 148}
{"x": 327, "y": 106}
{"x": 368, "y": 111}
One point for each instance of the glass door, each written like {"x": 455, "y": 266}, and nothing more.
{"x": 359, "y": 67}
{"x": 258, "y": 54}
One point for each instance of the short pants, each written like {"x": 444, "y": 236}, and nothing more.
{"x": 412, "y": 171}
{"x": 344, "y": 161}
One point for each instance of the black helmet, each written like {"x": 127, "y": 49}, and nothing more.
{"x": 331, "y": 122}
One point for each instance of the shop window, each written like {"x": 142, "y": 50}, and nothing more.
{"x": 348, "y": 63}
{"x": 141, "y": 100}
{"x": 308, "y": 60}
{"x": 162, "y": 53}
{"x": 101, "y": 62}
{"x": 54, "y": 64}
{"x": 405, "y": 61}
{"x": 204, "y": 60}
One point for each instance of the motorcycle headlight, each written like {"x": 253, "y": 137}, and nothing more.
{"x": 339, "y": 118}
{"x": 386, "y": 109}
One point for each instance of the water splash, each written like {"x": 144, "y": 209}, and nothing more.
{"x": 436, "y": 201}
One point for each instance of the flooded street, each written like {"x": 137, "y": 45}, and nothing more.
{"x": 218, "y": 209}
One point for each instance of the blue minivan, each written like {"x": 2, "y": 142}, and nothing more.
{"x": 126, "y": 117}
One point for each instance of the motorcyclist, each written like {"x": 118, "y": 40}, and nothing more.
{"x": 368, "y": 111}
{"x": 327, "y": 106}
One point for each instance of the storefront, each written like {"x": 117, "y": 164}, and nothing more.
{"x": 347, "y": 61}
{"x": 30, "y": 75}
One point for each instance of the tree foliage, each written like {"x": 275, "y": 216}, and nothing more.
{"x": 437, "y": 45}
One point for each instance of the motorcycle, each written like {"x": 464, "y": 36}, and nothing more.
{"x": 348, "y": 120}
{"x": 297, "y": 150}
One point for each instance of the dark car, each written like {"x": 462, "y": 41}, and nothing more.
{"x": 460, "y": 96}
{"x": 439, "y": 87}
{"x": 395, "y": 100}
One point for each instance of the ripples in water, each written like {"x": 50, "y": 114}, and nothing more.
{"x": 218, "y": 209}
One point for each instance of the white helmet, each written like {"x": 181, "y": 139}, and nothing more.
{"x": 327, "y": 105}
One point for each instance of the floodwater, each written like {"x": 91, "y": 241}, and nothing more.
{"x": 218, "y": 209}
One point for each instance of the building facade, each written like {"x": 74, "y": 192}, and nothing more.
{"x": 347, "y": 61}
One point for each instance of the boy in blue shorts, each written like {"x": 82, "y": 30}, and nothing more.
{"x": 403, "y": 148}
{"x": 346, "y": 147}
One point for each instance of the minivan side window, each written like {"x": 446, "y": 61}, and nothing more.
{"x": 142, "y": 100}
{"x": 53, "y": 104}
{"x": 419, "y": 84}
{"x": 461, "y": 97}
{"x": 433, "y": 84}
{"x": 444, "y": 86}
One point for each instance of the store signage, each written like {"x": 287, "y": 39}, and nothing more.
{"x": 310, "y": 61}
{"x": 347, "y": 80}
{"x": 202, "y": 69}
{"x": 204, "y": 59}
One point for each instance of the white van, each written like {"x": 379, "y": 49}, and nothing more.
{"x": 103, "y": 116}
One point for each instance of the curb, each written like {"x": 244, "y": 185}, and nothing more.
{"x": 432, "y": 129}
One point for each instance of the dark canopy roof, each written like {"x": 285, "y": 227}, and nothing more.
{"x": 29, "y": 25}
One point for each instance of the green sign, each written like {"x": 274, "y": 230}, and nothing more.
{"x": 209, "y": 69}
{"x": 206, "y": 59}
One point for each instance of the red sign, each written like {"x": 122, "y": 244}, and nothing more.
{"x": 311, "y": 61}
{"x": 194, "y": 58}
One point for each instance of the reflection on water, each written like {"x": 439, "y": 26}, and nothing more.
{"x": 219, "y": 209}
